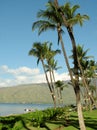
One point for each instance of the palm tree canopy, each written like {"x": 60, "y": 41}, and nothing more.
{"x": 42, "y": 26}
{"x": 71, "y": 17}
{"x": 51, "y": 13}
{"x": 91, "y": 69}
{"x": 50, "y": 19}
{"x": 82, "y": 54}
{"x": 60, "y": 84}
{"x": 39, "y": 50}
{"x": 83, "y": 58}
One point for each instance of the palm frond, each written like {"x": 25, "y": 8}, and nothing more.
{"x": 73, "y": 9}
{"x": 42, "y": 26}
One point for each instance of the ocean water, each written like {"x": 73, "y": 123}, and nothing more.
{"x": 16, "y": 108}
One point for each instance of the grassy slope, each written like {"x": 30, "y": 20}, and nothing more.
{"x": 33, "y": 93}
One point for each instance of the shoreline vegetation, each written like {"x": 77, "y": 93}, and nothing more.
{"x": 49, "y": 119}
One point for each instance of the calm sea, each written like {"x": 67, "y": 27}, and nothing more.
{"x": 14, "y": 108}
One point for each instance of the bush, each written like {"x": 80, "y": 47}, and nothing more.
{"x": 38, "y": 119}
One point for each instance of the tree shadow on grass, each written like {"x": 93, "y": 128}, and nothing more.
{"x": 45, "y": 126}
{"x": 66, "y": 123}
{"x": 9, "y": 122}
{"x": 73, "y": 121}
{"x": 91, "y": 123}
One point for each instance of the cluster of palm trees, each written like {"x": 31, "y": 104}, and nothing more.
{"x": 56, "y": 17}
{"x": 87, "y": 74}
{"x": 45, "y": 54}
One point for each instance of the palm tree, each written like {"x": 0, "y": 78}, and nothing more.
{"x": 84, "y": 69}
{"x": 54, "y": 67}
{"x": 70, "y": 19}
{"x": 40, "y": 50}
{"x": 93, "y": 70}
{"x": 60, "y": 85}
{"x": 90, "y": 74}
{"x": 51, "y": 19}
{"x": 87, "y": 70}
{"x": 50, "y": 64}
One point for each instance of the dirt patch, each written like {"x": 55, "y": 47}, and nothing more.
{"x": 59, "y": 128}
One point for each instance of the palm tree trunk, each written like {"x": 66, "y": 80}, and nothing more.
{"x": 77, "y": 88}
{"x": 51, "y": 91}
{"x": 79, "y": 107}
{"x": 52, "y": 86}
{"x": 76, "y": 84}
{"x": 65, "y": 57}
{"x": 58, "y": 97}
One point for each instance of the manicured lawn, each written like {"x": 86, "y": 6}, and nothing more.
{"x": 48, "y": 120}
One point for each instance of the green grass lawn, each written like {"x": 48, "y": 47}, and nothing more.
{"x": 48, "y": 120}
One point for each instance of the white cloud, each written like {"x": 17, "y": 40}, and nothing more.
{"x": 19, "y": 71}
{"x": 63, "y": 76}
{"x": 24, "y": 75}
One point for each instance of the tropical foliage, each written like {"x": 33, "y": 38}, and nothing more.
{"x": 56, "y": 17}
{"x": 49, "y": 119}
{"x": 45, "y": 54}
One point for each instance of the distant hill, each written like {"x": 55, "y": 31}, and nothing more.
{"x": 33, "y": 93}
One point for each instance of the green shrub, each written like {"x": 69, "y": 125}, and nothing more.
{"x": 38, "y": 119}
{"x": 18, "y": 126}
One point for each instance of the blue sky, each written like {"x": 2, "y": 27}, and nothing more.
{"x": 16, "y": 39}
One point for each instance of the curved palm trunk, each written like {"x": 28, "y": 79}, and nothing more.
{"x": 76, "y": 87}
{"x": 65, "y": 57}
{"x": 76, "y": 83}
{"x": 51, "y": 79}
{"x": 58, "y": 96}
{"x": 52, "y": 86}
{"x": 52, "y": 94}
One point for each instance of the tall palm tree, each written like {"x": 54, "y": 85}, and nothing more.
{"x": 51, "y": 20}
{"x": 69, "y": 19}
{"x": 60, "y": 18}
{"x": 40, "y": 50}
